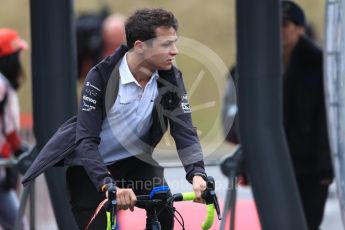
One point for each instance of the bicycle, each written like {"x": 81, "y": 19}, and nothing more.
{"x": 159, "y": 198}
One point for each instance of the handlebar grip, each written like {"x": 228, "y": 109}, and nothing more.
{"x": 188, "y": 196}
{"x": 110, "y": 225}
{"x": 208, "y": 222}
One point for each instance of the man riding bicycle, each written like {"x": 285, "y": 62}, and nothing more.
{"x": 128, "y": 101}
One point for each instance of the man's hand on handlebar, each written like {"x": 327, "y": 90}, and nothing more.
{"x": 125, "y": 198}
{"x": 199, "y": 185}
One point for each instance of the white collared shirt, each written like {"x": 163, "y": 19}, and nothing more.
{"x": 129, "y": 118}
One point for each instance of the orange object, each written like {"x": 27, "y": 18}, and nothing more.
{"x": 10, "y": 42}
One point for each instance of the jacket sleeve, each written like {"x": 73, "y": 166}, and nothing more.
{"x": 323, "y": 151}
{"x": 90, "y": 117}
{"x": 185, "y": 135}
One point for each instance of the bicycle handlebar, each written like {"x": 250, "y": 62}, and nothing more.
{"x": 209, "y": 219}
{"x": 159, "y": 196}
{"x": 22, "y": 162}
{"x": 208, "y": 195}
{"x": 10, "y": 162}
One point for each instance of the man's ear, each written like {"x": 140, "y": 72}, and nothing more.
{"x": 139, "y": 46}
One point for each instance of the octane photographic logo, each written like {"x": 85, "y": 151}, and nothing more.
{"x": 204, "y": 75}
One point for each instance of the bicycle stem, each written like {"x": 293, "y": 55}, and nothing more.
{"x": 111, "y": 208}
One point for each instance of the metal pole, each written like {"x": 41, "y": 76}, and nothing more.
{"x": 32, "y": 205}
{"x": 54, "y": 86}
{"x": 260, "y": 111}
{"x": 22, "y": 205}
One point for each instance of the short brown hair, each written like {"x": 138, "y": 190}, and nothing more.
{"x": 143, "y": 23}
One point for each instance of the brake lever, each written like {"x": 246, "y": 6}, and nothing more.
{"x": 210, "y": 196}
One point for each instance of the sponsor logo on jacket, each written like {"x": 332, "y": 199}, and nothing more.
{"x": 89, "y": 99}
{"x": 185, "y": 104}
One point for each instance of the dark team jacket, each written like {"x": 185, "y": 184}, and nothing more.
{"x": 305, "y": 120}
{"x": 76, "y": 141}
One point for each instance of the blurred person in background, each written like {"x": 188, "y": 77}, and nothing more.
{"x": 113, "y": 33}
{"x": 89, "y": 40}
{"x": 98, "y": 36}
{"x": 305, "y": 120}
{"x": 230, "y": 110}
{"x": 11, "y": 76}
{"x": 311, "y": 33}
{"x": 304, "y": 113}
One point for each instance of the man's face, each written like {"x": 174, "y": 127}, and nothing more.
{"x": 290, "y": 33}
{"x": 161, "y": 51}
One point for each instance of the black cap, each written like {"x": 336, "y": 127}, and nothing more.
{"x": 293, "y": 12}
